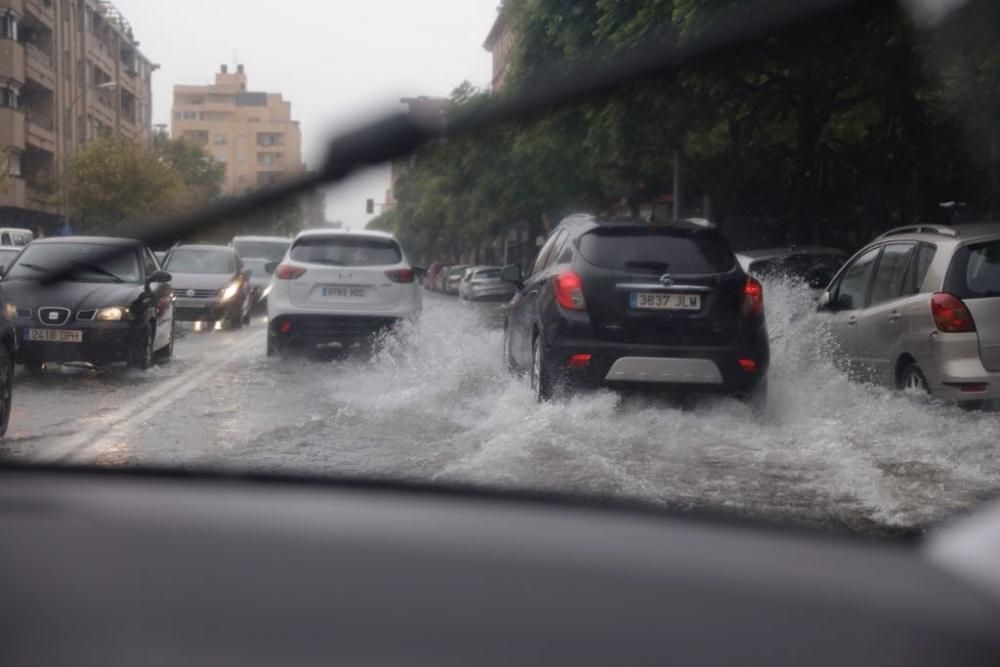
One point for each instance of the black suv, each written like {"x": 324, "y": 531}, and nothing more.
{"x": 633, "y": 304}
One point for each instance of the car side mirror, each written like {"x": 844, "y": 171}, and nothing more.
{"x": 160, "y": 276}
{"x": 512, "y": 274}
{"x": 825, "y": 302}
{"x": 3, "y": 270}
{"x": 271, "y": 267}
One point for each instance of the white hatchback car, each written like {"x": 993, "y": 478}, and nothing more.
{"x": 339, "y": 288}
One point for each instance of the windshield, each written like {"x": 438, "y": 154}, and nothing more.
{"x": 625, "y": 353}
{"x": 200, "y": 261}
{"x": 88, "y": 267}
{"x": 346, "y": 251}
{"x": 271, "y": 251}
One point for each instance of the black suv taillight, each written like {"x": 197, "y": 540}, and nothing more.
{"x": 753, "y": 298}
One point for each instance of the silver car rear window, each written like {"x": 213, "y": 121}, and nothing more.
{"x": 975, "y": 271}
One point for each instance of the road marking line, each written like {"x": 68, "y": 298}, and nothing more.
{"x": 87, "y": 444}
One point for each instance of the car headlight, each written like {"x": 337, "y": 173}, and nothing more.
{"x": 112, "y": 314}
{"x": 10, "y": 311}
{"x": 230, "y": 291}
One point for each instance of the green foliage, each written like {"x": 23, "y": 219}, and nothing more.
{"x": 115, "y": 182}
{"x": 202, "y": 176}
{"x": 821, "y": 135}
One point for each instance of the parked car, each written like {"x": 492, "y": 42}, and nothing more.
{"x": 8, "y": 357}
{"x": 453, "y": 278}
{"x": 111, "y": 310}
{"x": 257, "y": 252}
{"x": 483, "y": 282}
{"x": 210, "y": 284}
{"x": 814, "y": 266}
{"x": 7, "y": 255}
{"x": 16, "y": 236}
{"x": 634, "y": 304}
{"x": 339, "y": 288}
{"x": 919, "y": 308}
{"x": 440, "y": 277}
{"x": 434, "y": 271}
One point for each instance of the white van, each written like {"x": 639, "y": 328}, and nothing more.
{"x": 13, "y": 236}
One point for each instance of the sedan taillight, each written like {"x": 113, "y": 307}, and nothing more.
{"x": 950, "y": 313}
{"x": 289, "y": 272}
{"x": 400, "y": 275}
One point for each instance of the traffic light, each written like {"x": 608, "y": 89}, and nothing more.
{"x": 370, "y": 206}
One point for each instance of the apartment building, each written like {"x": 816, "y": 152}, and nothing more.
{"x": 252, "y": 133}
{"x": 70, "y": 71}
{"x": 500, "y": 43}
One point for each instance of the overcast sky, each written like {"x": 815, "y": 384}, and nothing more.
{"x": 338, "y": 61}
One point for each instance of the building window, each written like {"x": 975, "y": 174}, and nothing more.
{"x": 269, "y": 139}
{"x": 14, "y": 164}
{"x": 10, "y": 96}
{"x": 220, "y": 140}
{"x": 268, "y": 159}
{"x": 221, "y": 157}
{"x": 8, "y": 24}
{"x": 265, "y": 178}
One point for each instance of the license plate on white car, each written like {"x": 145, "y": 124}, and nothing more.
{"x": 345, "y": 292}
{"x": 664, "y": 301}
{"x": 54, "y": 335}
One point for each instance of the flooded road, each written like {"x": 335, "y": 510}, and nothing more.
{"x": 436, "y": 405}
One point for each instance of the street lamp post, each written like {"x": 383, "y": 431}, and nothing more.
{"x": 107, "y": 85}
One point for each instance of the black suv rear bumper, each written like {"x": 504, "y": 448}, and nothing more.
{"x": 733, "y": 376}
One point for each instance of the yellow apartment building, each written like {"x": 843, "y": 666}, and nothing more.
{"x": 251, "y": 132}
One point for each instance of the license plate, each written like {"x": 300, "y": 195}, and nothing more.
{"x": 345, "y": 292}
{"x": 665, "y": 301}
{"x": 54, "y": 335}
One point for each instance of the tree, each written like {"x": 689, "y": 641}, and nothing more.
{"x": 114, "y": 183}
{"x": 203, "y": 177}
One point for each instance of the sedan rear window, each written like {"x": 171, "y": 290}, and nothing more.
{"x": 657, "y": 249}
{"x": 975, "y": 271}
{"x": 346, "y": 251}
{"x": 488, "y": 274}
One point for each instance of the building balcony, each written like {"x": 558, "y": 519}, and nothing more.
{"x": 38, "y": 67}
{"x": 14, "y": 192}
{"x": 12, "y": 128}
{"x": 41, "y": 200}
{"x": 16, "y": 5}
{"x": 40, "y": 132}
{"x": 44, "y": 10}
{"x": 99, "y": 54}
{"x": 101, "y": 110}
{"x": 11, "y": 60}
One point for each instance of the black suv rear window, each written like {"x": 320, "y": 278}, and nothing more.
{"x": 657, "y": 249}
{"x": 975, "y": 271}
{"x": 346, "y": 251}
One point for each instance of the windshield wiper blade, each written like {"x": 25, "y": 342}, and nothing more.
{"x": 34, "y": 267}
{"x": 96, "y": 269}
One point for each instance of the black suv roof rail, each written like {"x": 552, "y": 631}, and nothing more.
{"x": 943, "y": 230}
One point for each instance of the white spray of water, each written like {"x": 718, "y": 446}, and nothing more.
{"x": 438, "y": 404}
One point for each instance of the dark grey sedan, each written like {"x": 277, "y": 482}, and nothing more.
{"x": 210, "y": 284}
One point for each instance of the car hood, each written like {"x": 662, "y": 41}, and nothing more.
{"x": 212, "y": 281}
{"x": 73, "y": 295}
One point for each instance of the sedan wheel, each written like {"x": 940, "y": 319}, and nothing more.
{"x": 541, "y": 385}
{"x": 142, "y": 356}
{"x": 912, "y": 380}
{"x": 6, "y": 388}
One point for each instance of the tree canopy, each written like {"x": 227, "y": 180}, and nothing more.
{"x": 824, "y": 135}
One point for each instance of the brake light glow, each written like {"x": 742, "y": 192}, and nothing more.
{"x": 753, "y": 298}
{"x": 580, "y": 360}
{"x": 974, "y": 388}
{"x": 285, "y": 327}
{"x": 748, "y": 365}
{"x": 288, "y": 272}
{"x": 950, "y": 314}
{"x": 569, "y": 291}
{"x": 400, "y": 275}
